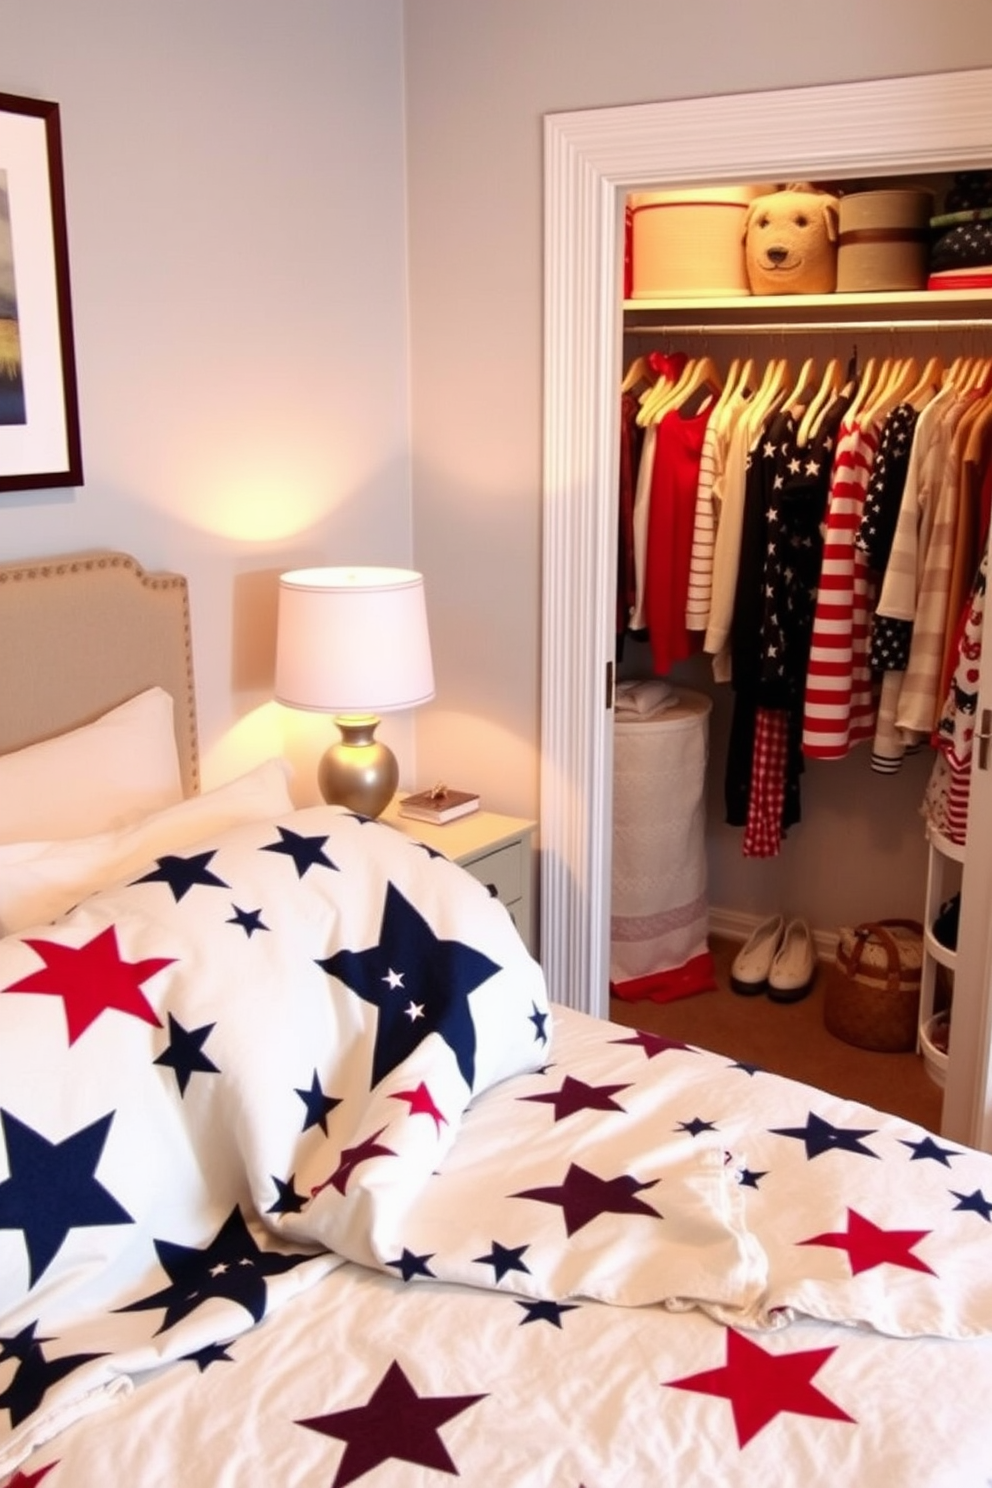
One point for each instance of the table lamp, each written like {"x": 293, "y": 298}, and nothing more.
{"x": 354, "y": 642}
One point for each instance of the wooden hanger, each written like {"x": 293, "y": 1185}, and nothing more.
{"x": 640, "y": 370}
{"x": 729, "y": 384}
{"x": 736, "y": 384}
{"x": 825, "y": 393}
{"x": 927, "y": 384}
{"x": 704, "y": 374}
{"x": 696, "y": 371}
{"x": 655, "y": 398}
{"x": 890, "y": 391}
{"x": 769, "y": 393}
{"x": 958, "y": 372}
{"x": 803, "y": 387}
{"x": 977, "y": 373}
{"x": 866, "y": 382}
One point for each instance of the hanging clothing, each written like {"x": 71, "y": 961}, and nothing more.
{"x": 918, "y": 699}
{"x": 839, "y": 708}
{"x": 670, "y": 527}
{"x": 885, "y": 486}
{"x": 766, "y": 802}
{"x": 781, "y": 548}
{"x": 729, "y": 492}
{"x": 890, "y": 639}
{"x": 712, "y": 475}
{"x": 637, "y": 620}
{"x": 947, "y": 795}
{"x": 631, "y": 442}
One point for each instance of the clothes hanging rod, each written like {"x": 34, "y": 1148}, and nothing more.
{"x": 793, "y": 327}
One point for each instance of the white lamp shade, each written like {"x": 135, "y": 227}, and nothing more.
{"x": 353, "y": 640}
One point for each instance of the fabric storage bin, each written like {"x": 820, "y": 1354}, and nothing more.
{"x": 690, "y": 242}
{"x": 873, "y": 998}
{"x": 659, "y": 913}
{"x": 883, "y": 240}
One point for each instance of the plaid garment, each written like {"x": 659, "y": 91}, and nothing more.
{"x": 763, "y": 829}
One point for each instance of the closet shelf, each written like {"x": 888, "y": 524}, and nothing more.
{"x": 938, "y": 952}
{"x": 937, "y": 310}
{"x": 947, "y": 849}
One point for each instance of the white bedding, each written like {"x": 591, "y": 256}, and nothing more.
{"x": 304, "y": 1182}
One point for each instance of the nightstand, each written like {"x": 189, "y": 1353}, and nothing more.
{"x": 494, "y": 849}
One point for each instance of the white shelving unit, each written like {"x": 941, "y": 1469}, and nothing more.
{"x": 945, "y": 864}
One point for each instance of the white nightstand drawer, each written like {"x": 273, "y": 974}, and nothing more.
{"x": 495, "y": 849}
{"x": 501, "y": 870}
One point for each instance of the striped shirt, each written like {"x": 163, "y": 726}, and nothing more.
{"x": 839, "y": 709}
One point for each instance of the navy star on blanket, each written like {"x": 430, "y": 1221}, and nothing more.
{"x": 34, "y": 1374}
{"x": 232, "y": 1266}
{"x": 420, "y": 985}
{"x": 52, "y": 1188}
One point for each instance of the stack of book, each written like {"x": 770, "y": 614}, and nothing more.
{"x": 439, "y": 805}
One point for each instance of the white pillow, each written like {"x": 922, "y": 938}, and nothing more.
{"x": 41, "y": 880}
{"x": 102, "y": 775}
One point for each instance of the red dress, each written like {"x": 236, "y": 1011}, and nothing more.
{"x": 671, "y": 516}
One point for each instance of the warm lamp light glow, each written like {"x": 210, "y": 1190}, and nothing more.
{"x": 354, "y": 642}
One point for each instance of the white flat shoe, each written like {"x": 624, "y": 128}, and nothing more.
{"x": 794, "y": 967}
{"x": 752, "y": 965}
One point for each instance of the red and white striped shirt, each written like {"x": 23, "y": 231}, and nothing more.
{"x": 839, "y": 708}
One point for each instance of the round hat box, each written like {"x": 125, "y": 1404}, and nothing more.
{"x": 690, "y": 243}
{"x": 883, "y": 241}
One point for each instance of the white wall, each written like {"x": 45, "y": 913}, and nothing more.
{"x": 479, "y": 79}
{"x": 236, "y": 199}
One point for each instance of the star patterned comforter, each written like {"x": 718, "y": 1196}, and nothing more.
{"x": 303, "y": 1180}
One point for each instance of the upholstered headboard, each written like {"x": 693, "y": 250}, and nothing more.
{"x": 80, "y": 634}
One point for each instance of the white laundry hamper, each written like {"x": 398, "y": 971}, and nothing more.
{"x": 659, "y": 915}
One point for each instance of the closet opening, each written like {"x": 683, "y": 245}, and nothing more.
{"x": 897, "y": 130}
{"x": 702, "y": 348}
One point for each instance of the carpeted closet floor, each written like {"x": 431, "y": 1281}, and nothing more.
{"x": 789, "y": 1040}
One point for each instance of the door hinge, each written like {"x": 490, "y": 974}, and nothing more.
{"x": 609, "y": 685}
{"x": 984, "y": 736}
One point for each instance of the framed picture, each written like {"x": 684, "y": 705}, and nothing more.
{"x": 39, "y": 416}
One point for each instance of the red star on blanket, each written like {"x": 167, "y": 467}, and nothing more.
{"x": 396, "y": 1423}
{"x": 92, "y": 978}
{"x": 867, "y": 1245}
{"x": 29, "y": 1480}
{"x": 421, "y": 1103}
{"x": 761, "y": 1386}
{"x": 350, "y": 1158}
{"x": 583, "y": 1196}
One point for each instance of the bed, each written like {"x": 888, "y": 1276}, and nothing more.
{"x": 304, "y": 1181}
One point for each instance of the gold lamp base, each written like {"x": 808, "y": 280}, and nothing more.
{"x": 358, "y": 772}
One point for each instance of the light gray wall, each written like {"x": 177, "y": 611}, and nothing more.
{"x": 480, "y": 77}
{"x": 235, "y": 183}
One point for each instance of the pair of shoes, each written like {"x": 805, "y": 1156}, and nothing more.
{"x": 777, "y": 958}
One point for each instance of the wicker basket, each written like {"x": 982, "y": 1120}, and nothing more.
{"x": 873, "y": 999}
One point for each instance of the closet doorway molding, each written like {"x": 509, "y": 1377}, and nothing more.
{"x": 927, "y": 123}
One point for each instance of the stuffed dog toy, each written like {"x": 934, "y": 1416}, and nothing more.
{"x": 790, "y": 242}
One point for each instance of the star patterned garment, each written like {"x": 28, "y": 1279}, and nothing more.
{"x": 178, "y": 1179}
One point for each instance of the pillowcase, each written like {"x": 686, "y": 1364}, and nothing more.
{"x": 96, "y": 777}
{"x": 41, "y": 880}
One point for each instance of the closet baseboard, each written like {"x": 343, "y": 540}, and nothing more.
{"x": 734, "y": 925}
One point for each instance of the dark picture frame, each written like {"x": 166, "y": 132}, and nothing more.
{"x": 40, "y": 443}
